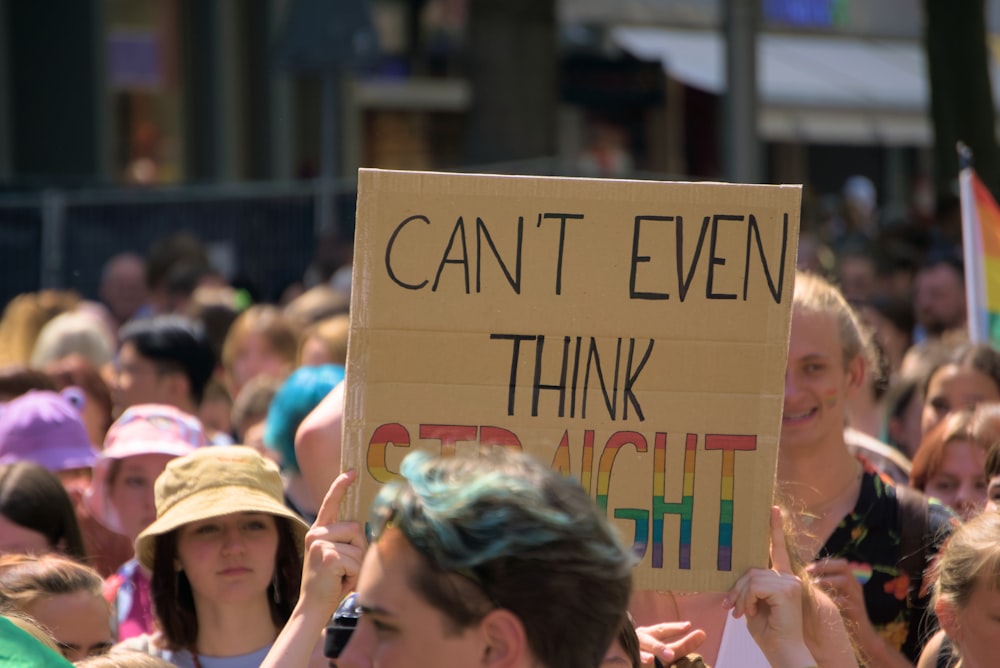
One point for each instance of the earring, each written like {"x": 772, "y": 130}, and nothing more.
{"x": 275, "y": 592}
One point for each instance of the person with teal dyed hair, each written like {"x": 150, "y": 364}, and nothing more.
{"x": 492, "y": 561}
{"x": 296, "y": 398}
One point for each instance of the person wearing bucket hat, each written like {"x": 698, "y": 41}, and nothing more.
{"x": 136, "y": 450}
{"x": 226, "y": 559}
{"x": 47, "y": 428}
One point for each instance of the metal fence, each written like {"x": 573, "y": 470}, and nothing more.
{"x": 262, "y": 233}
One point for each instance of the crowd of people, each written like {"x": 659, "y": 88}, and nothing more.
{"x": 170, "y": 494}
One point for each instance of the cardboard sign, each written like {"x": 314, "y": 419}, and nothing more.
{"x": 632, "y": 333}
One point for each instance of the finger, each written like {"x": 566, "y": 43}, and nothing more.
{"x": 733, "y": 595}
{"x": 326, "y": 555}
{"x": 666, "y": 630}
{"x": 329, "y": 510}
{"x": 689, "y": 643}
{"x": 340, "y": 532}
{"x": 780, "y": 560}
{"x": 667, "y": 652}
{"x": 345, "y": 571}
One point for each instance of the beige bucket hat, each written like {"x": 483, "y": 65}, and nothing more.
{"x": 211, "y": 482}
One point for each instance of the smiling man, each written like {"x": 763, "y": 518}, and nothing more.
{"x": 494, "y": 561}
{"x": 851, "y": 517}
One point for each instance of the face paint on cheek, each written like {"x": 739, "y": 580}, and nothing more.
{"x": 830, "y": 399}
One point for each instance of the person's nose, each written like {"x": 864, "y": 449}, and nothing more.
{"x": 967, "y": 501}
{"x": 233, "y": 541}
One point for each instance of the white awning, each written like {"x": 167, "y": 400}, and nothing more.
{"x": 818, "y": 89}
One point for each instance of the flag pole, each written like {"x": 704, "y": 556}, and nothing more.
{"x": 971, "y": 246}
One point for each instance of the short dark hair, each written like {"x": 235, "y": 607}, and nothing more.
{"x": 18, "y": 379}
{"x": 33, "y": 497}
{"x": 506, "y": 531}
{"x": 173, "y": 599}
{"x": 948, "y": 256}
{"x": 629, "y": 641}
{"x": 175, "y": 344}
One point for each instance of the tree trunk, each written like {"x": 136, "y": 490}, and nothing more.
{"x": 961, "y": 93}
{"x": 512, "y": 67}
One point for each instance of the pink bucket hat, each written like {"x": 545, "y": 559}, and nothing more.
{"x": 146, "y": 429}
{"x": 46, "y": 428}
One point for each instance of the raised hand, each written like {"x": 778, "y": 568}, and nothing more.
{"x": 334, "y": 551}
{"x": 836, "y": 577}
{"x": 667, "y": 641}
{"x": 771, "y": 599}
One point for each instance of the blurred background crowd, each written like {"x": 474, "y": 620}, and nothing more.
{"x": 177, "y": 213}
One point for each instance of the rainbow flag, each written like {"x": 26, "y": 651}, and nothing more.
{"x": 981, "y": 248}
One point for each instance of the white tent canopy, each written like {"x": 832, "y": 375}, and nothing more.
{"x": 819, "y": 89}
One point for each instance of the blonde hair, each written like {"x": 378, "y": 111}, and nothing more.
{"x": 333, "y": 332}
{"x": 971, "y": 555}
{"x": 24, "y": 317}
{"x": 315, "y": 304}
{"x": 814, "y": 294}
{"x": 74, "y": 332}
{"x": 27, "y": 579}
{"x": 269, "y": 322}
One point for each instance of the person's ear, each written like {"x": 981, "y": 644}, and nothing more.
{"x": 506, "y": 641}
{"x": 947, "y": 616}
{"x": 855, "y": 374}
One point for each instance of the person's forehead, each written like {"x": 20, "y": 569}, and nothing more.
{"x": 958, "y": 377}
{"x": 815, "y": 332}
{"x": 939, "y": 274}
{"x": 384, "y": 580}
{"x": 80, "y": 612}
{"x": 959, "y": 451}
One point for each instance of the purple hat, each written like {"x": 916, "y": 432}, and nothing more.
{"x": 45, "y": 427}
{"x": 145, "y": 429}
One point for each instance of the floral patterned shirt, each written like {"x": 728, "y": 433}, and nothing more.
{"x": 869, "y": 538}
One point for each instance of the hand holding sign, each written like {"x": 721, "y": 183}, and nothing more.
{"x": 772, "y": 602}
{"x": 334, "y": 552}
{"x": 667, "y": 642}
